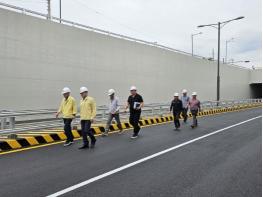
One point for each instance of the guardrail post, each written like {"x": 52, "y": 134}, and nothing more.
{"x": 211, "y": 105}
{"x": 11, "y": 122}
{"x": 3, "y": 123}
{"x": 104, "y": 114}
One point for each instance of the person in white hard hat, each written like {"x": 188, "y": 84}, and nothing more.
{"x": 114, "y": 109}
{"x": 135, "y": 103}
{"x": 195, "y": 107}
{"x": 185, "y": 100}
{"x": 68, "y": 109}
{"x": 176, "y": 107}
{"x": 87, "y": 115}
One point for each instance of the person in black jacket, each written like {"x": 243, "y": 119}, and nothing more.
{"x": 177, "y": 107}
{"x": 135, "y": 103}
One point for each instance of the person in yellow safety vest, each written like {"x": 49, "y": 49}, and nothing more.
{"x": 87, "y": 115}
{"x": 68, "y": 109}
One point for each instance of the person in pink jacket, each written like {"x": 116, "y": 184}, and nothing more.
{"x": 194, "y": 105}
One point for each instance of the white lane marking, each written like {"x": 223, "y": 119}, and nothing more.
{"x": 74, "y": 187}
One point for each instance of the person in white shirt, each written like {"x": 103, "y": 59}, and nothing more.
{"x": 114, "y": 109}
{"x": 185, "y": 99}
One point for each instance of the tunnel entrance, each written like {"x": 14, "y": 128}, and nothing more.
{"x": 256, "y": 90}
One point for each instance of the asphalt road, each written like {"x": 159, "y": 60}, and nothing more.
{"x": 225, "y": 164}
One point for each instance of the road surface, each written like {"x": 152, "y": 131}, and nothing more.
{"x": 225, "y": 163}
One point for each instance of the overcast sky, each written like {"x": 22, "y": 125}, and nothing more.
{"x": 170, "y": 22}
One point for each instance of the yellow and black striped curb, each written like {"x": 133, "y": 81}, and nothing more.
{"x": 34, "y": 138}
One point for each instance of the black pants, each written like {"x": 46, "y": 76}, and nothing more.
{"x": 184, "y": 113}
{"x": 176, "y": 119}
{"x": 194, "y": 113}
{"x": 67, "y": 129}
{"x": 134, "y": 121}
{"x": 85, "y": 130}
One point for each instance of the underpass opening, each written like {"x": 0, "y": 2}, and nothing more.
{"x": 256, "y": 90}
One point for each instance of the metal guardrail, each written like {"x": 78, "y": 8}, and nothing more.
{"x": 25, "y": 120}
{"x": 101, "y": 31}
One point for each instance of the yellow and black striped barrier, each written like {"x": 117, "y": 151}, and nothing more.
{"x": 34, "y": 138}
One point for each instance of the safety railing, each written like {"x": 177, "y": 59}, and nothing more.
{"x": 25, "y": 120}
{"x": 101, "y": 31}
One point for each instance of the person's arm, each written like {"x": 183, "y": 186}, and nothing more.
{"x": 117, "y": 105}
{"x": 199, "y": 106}
{"x": 127, "y": 105}
{"x": 59, "y": 109}
{"x": 171, "y": 106}
{"x": 181, "y": 106}
{"x": 141, "y": 103}
{"x": 74, "y": 107}
{"x": 94, "y": 110}
{"x": 188, "y": 104}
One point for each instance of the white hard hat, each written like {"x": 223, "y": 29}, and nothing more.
{"x": 65, "y": 90}
{"x": 111, "y": 92}
{"x": 194, "y": 94}
{"x": 133, "y": 88}
{"x": 184, "y": 91}
{"x": 176, "y": 94}
{"x": 83, "y": 89}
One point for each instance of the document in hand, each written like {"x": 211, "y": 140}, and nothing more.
{"x": 136, "y": 104}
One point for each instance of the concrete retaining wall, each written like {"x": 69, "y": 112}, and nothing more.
{"x": 255, "y": 76}
{"x": 38, "y": 58}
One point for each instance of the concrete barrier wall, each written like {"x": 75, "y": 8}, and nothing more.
{"x": 255, "y": 76}
{"x": 38, "y": 58}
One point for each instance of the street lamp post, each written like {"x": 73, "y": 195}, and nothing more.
{"x": 218, "y": 26}
{"x": 192, "y": 39}
{"x": 218, "y": 65}
{"x": 49, "y": 9}
{"x": 60, "y": 11}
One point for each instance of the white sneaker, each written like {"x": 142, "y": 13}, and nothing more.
{"x": 68, "y": 143}
{"x": 104, "y": 134}
{"x": 134, "y": 136}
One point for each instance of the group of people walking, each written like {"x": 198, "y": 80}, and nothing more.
{"x": 135, "y": 103}
{"x": 68, "y": 109}
{"x": 180, "y": 107}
